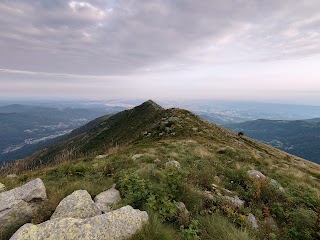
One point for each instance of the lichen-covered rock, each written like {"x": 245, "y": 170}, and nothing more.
{"x": 2, "y": 187}
{"x": 173, "y": 164}
{"x": 118, "y": 224}
{"x": 107, "y": 199}
{"x": 254, "y": 174}
{"x": 79, "y": 204}
{"x": 251, "y": 219}
{"x": 16, "y": 205}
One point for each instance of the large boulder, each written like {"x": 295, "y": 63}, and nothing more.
{"x": 107, "y": 199}
{"x": 77, "y": 205}
{"x": 16, "y": 205}
{"x": 118, "y": 224}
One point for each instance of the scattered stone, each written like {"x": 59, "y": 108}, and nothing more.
{"x": 16, "y": 205}
{"x": 157, "y": 161}
{"x": 136, "y": 156}
{"x": 2, "y": 187}
{"x": 277, "y": 185}
{"x": 183, "y": 215}
{"x": 272, "y": 223}
{"x": 254, "y": 174}
{"x": 77, "y": 205}
{"x": 119, "y": 224}
{"x": 160, "y": 134}
{"x": 217, "y": 179}
{"x": 173, "y": 164}
{"x": 95, "y": 166}
{"x": 235, "y": 201}
{"x": 12, "y": 176}
{"x": 107, "y": 199}
{"x": 195, "y": 129}
{"x": 251, "y": 219}
{"x": 167, "y": 129}
{"x": 101, "y": 156}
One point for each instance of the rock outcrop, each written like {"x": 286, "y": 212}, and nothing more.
{"x": 79, "y": 204}
{"x": 16, "y": 205}
{"x": 107, "y": 199}
{"x": 118, "y": 224}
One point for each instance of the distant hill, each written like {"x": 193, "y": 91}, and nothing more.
{"x": 26, "y": 129}
{"x": 300, "y": 138}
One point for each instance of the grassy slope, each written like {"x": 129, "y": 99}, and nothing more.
{"x": 204, "y": 151}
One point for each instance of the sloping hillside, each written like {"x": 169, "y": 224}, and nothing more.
{"x": 159, "y": 158}
{"x": 301, "y": 138}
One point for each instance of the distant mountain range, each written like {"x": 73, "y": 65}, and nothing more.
{"x": 300, "y": 138}
{"x": 25, "y": 129}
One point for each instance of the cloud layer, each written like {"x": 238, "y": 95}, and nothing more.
{"x": 164, "y": 40}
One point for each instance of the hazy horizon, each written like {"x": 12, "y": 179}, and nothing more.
{"x": 257, "y": 51}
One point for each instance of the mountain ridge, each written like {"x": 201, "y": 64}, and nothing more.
{"x": 160, "y": 159}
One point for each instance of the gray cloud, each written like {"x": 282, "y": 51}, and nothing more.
{"x": 118, "y": 37}
{"x": 170, "y": 47}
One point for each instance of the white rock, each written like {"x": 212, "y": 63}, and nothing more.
{"x": 116, "y": 225}
{"x": 77, "y": 205}
{"x": 106, "y": 199}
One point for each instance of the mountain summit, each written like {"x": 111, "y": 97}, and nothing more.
{"x": 204, "y": 180}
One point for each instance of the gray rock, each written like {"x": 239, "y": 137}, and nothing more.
{"x": 2, "y": 187}
{"x": 119, "y": 224}
{"x": 136, "y": 156}
{"x": 107, "y": 199}
{"x": 101, "y": 156}
{"x": 183, "y": 215}
{"x": 235, "y": 201}
{"x": 77, "y": 205}
{"x": 251, "y": 219}
{"x": 277, "y": 185}
{"x": 254, "y": 174}
{"x": 173, "y": 164}
{"x": 16, "y": 205}
{"x": 217, "y": 179}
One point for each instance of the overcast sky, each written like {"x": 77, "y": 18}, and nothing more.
{"x": 261, "y": 50}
